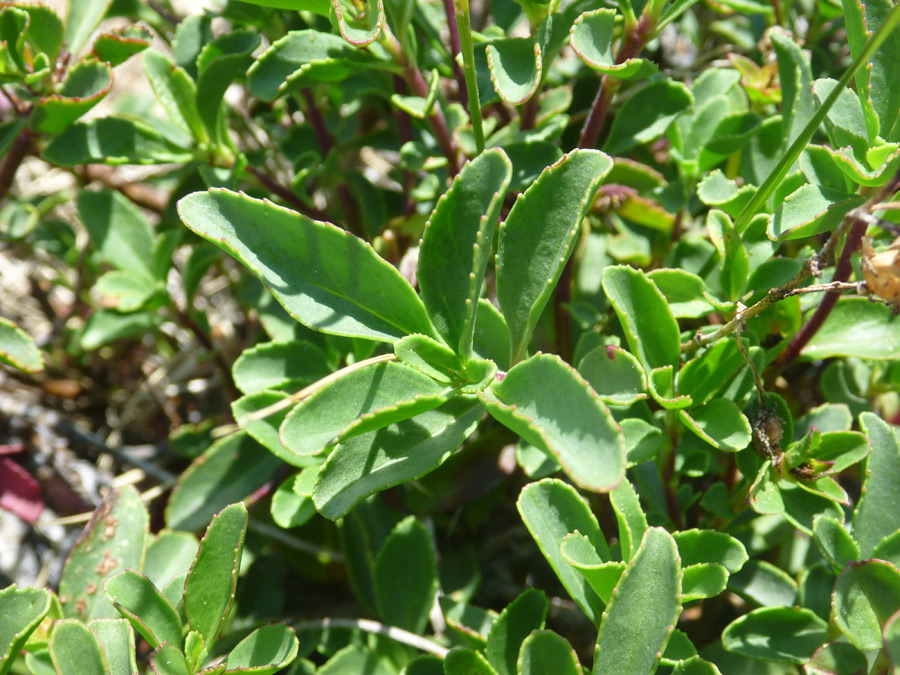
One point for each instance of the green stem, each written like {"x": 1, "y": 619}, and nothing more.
{"x": 787, "y": 161}
{"x": 467, "y": 48}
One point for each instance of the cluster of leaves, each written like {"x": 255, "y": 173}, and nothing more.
{"x": 667, "y": 275}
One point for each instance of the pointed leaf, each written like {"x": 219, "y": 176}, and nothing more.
{"x": 377, "y": 460}
{"x": 367, "y": 399}
{"x": 404, "y": 600}
{"x": 456, "y": 247}
{"x": 641, "y": 615}
{"x": 548, "y": 404}
{"x": 136, "y": 598}
{"x": 17, "y": 349}
{"x": 209, "y": 589}
{"x": 523, "y": 615}
{"x": 176, "y": 92}
{"x": 325, "y": 277}
{"x": 552, "y": 509}
{"x": 75, "y": 650}
{"x": 218, "y": 64}
{"x": 229, "y": 470}
{"x": 650, "y": 329}
{"x": 21, "y": 611}
{"x": 109, "y": 140}
{"x": 538, "y": 237}
{"x": 113, "y": 540}
{"x": 265, "y": 651}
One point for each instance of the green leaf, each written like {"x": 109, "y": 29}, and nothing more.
{"x": 168, "y": 660}
{"x": 462, "y": 661}
{"x": 218, "y": 64}
{"x": 429, "y": 356}
{"x": 685, "y": 292}
{"x": 82, "y": 19}
{"x": 265, "y": 430}
{"x": 764, "y": 584}
{"x": 892, "y": 638}
{"x": 323, "y": 276}
{"x": 647, "y": 114}
{"x": 735, "y": 262}
{"x": 552, "y": 509}
{"x": 834, "y": 542}
{"x": 703, "y": 377}
{"x": 708, "y": 546}
{"x": 614, "y": 374}
{"x": 124, "y": 291}
{"x": 209, "y": 589}
{"x": 875, "y": 517}
{"x": 86, "y": 84}
{"x": 176, "y": 92}
{"x": 888, "y": 549}
{"x": 104, "y": 326}
{"x": 138, "y": 600}
{"x": 110, "y": 140}
{"x": 662, "y": 389}
{"x": 119, "y": 45}
{"x": 631, "y": 518}
{"x": 591, "y": 38}
{"x": 546, "y": 652}
{"x": 865, "y": 596}
{"x": 273, "y": 365}
{"x": 780, "y": 634}
{"x": 642, "y": 613}
{"x": 377, "y": 460}
{"x": 720, "y": 423}
{"x": 703, "y": 580}
{"x": 696, "y": 666}
{"x": 548, "y": 404}
{"x": 360, "y": 30}
{"x": 456, "y": 247}
{"x": 17, "y": 349}
{"x": 316, "y": 6}
{"x": 837, "y": 657}
{"x": 650, "y": 329}
{"x": 118, "y": 231}
{"x": 44, "y": 31}
{"x": 469, "y": 621}
{"x": 857, "y": 327}
{"x": 366, "y": 399}
{"x": 116, "y": 639}
{"x": 810, "y": 210}
{"x": 602, "y": 575}
{"x": 304, "y": 58}
{"x": 797, "y": 102}
{"x": 113, "y": 540}
{"x": 538, "y": 237}
{"x": 74, "y": 649}
{"x": 21, "y": 611}
{"x": 292, "y": 503}
{"x": 516, "y": 622}
{"x": 266, "y": 650}
{"x": 404, "y": 600}
{"x": 642, "y": 440}
{"x": 168, "y": 555}
{"x": 491, "y": 335}
{"x": 517, "y": 65}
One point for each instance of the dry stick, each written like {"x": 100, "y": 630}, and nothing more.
{"x": 138, "y": 193}
{"x": 370, "y": 626}
{"x": 306, "y": 392}
{"x": 13, "y": 160}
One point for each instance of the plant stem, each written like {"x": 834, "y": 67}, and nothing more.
{"x": 17, "y": 152}
{"x": 306, "y": 392}
{"x": 453, "y": 21}
{"x": 464, "y": 26}
{"x": 370, "y": 626}
{"x": 787, "y": 161}
{"x": 286, "y": 194}
{"x": 632, "y": 44}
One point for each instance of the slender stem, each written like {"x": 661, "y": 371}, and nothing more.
{"x": 632, "y": 44}
{"x": 140, "y": 194}
{"x": 370, "y": 626}
{"x": 306, "y": 392}
{"x": 286, "y": 194}
{"x": 841, "y": 273}
{"x": 787, "y": 161}
{"x": 298, "y": 544}
{"x": 455, "y": 49}
{"x": 462, "y": 20}
{"x": 17, "y": 152}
